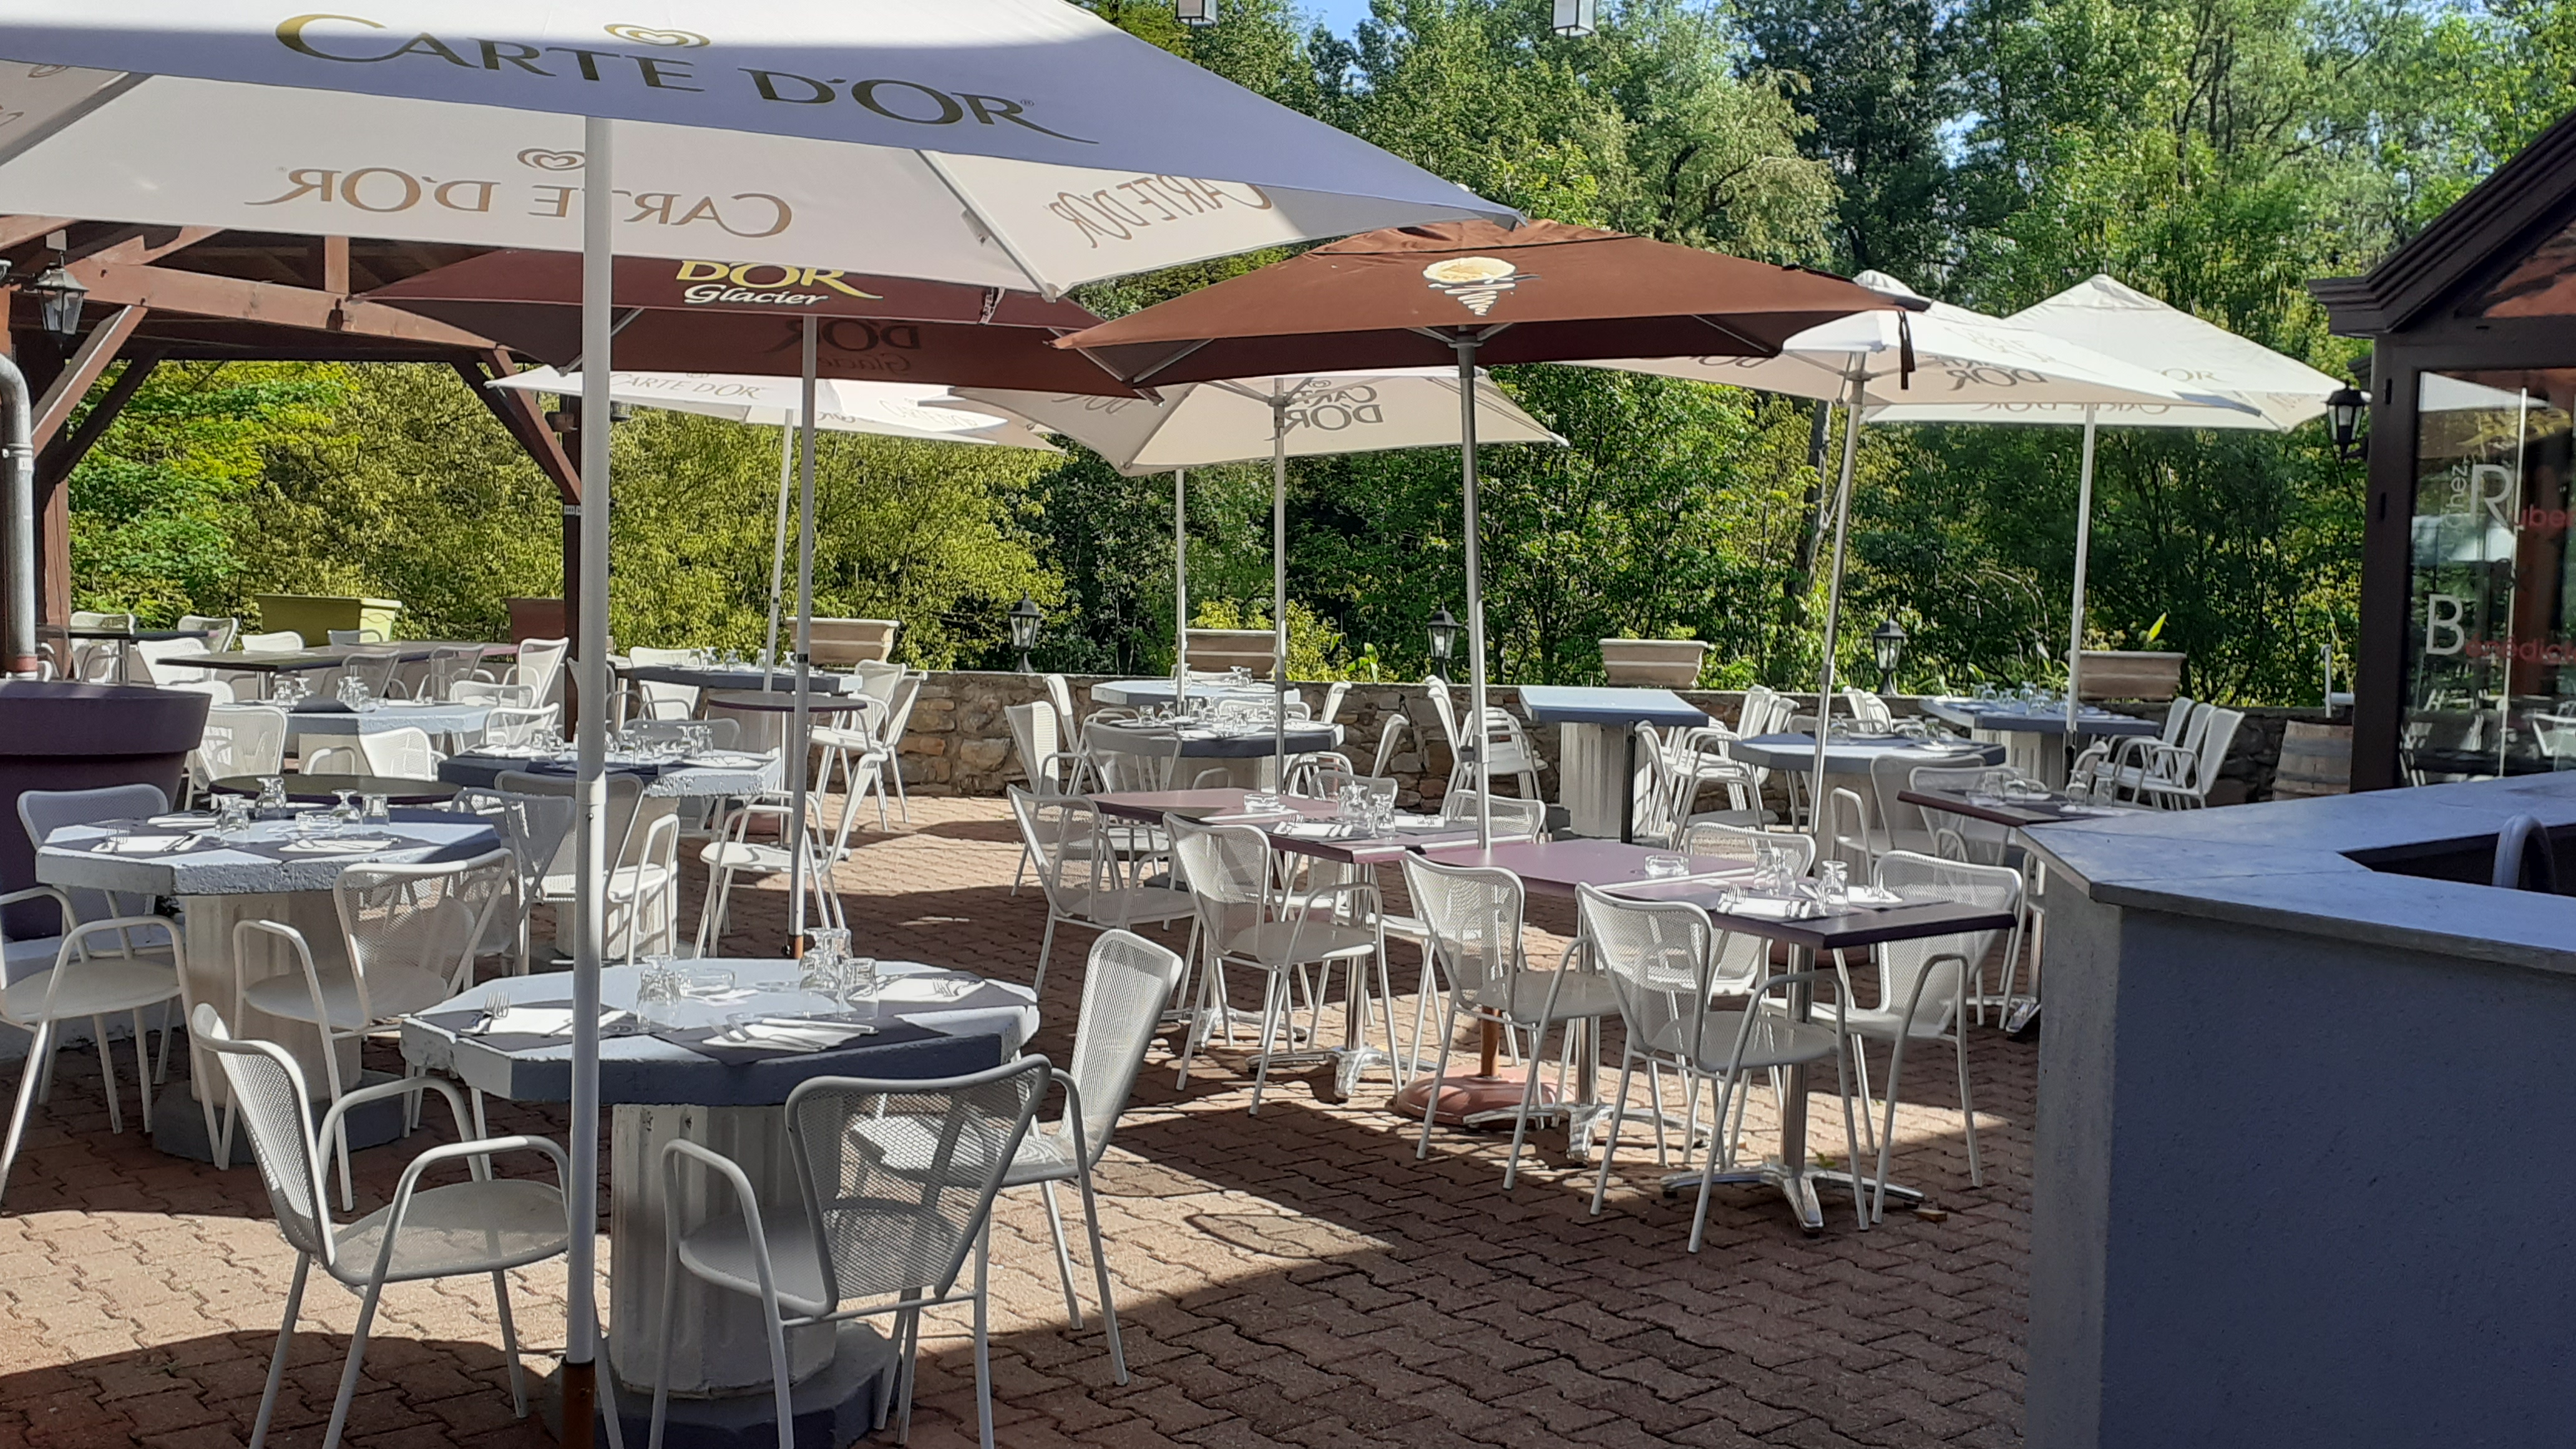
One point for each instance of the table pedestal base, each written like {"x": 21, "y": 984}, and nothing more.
{"x": 837, "y": 1407}
{"x": 179, "y": 1124}
{"x": 1798, "y": 1185}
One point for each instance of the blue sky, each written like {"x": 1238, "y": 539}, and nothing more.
{"x": 1342, "y": 15}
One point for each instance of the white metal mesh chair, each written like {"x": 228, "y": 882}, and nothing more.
{"x": 220, "y": 630}
{"x": 1080, "y": 873}
{"x": 354, "y": 636}
{"x": 2180, "y": 777}
{"x": 1125, "y": 984}
{"x": 450, "y": 667}
{"x": 1923, "y": 984}
{"x": 1847, "y": 825}
{"x": 1050, "y": 769}
{"x": 533, "y": 828}
{"x": 80, "y": 985}
{"x": 1660, "y": 957}
{"x": 1474, "y": 916}
{"x": 648, "y": 699}
{"x": 396, "y": 754}
{"x": 1247, "y": 915}
{"x": 897, "y": 1180}
{"x": 410, "y": 932}
{"x": 539, "y": 670}
{"x": 1895, "y": 823}
{"x": 1390, "y": 739}
{"x": 379, "y": 668}
{"x": 482, "y": 1227}
{"x": 511, "y": 726}
{"x": 239, "y": 739}
{"x": 1963, "y": 837}
{"x": 1512, "y": 819}
{"x": 644, "y": 868}
{"x": 733, "y": 855}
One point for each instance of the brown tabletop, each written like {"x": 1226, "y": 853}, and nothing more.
{"x": 1556, "y": 867}
{"x": 1849, "y": 931}
{"x": 1205, "y": 805}
{"x": 323, "y": 789}
{"x": 2017, "y": 814}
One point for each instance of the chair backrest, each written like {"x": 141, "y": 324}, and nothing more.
{"x": 374, "y": 667}
{"x": 214, "y": 689}
{"x": 1847, "y": 825}
{"x": 276, "y": 641}
{"x": 1130, "y": 757}
{"x": 450, "y": 667}
{"x": 508, "y": 725}
{"x": 143, "y": 657}
{"x": 1474, "y": 915}
{"x": 1514, "y": 819}
{"x": 1390, "y": 738}
{"x": 94, "y": 619}
{"x": 242, "y": 739}
{"x": 219, "y": 630}
{"x": 1049, "y": 824}
{"x": 426, "y": 917}
{"x": 1333, "y": 697}
{"x": 1060, "y": 694}
{"x": 1891, "y": 773}
{"x": 1124, "y": 989}
{"x": 645, "y": 654}
{"x": 401, "y": 754}
{"x": 2177, "y": 715}
{"x": 270, "y": 1100}
{"x": 1033, "y": 731}
{"x": 896, "y": 717}
{"x": 898, "y": 1175}
{"x": 1658, "y": 955}
{"x": 1902, "y": 963}
{"x": 625, "y": 799}
{"x": 356, "y": 636}
{"x": 878, "y": 679}
{"x": 1982, "y": 841}
{"x": 534, "y": 827}
{"x": 42, "y": 812}
{"x": 1740, "y": 842}
{"x": 540, "y": 669}
{"x": 1442, "y": 710}
{"x": 1228, "y": 868}
{"x": 2220, "y": 734}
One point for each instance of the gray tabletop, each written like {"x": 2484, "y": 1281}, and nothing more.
{"x": 1160, "y": 691}
{"x": 747, "y": 678}
{"x": 699, "y": 777}
{"x": 438, "y": 717}
{"x": 260, "y": 862}
{"x": 1567, "y": 704}
{"x": 1852, "y": 756}
{"x": 2003, "y": 715}
{"x": 1198, "y": 743}
{"x": 920, "y": 1033}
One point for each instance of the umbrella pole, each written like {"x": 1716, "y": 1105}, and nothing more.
{"x": 1473, "y": 736}
{"x": 799, "y": 743}
{"x": 1816, "y": 797}
{"x": 1279, "y": 588}
{"x": 590, "y": 794}
{"x": 2083, "y": 556}
{"x": 1180, "y": 593}
{"x": 778, "y": 552}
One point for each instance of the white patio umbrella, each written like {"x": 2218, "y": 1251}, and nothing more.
{"x": 787, "y": 132}
{"x": 884, "y": 409}
{"x": 2262, "y": 391}
{"x": 1871, "y": 360}
{"x": 1199, "y": 425}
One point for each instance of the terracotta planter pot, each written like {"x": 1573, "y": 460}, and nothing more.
{"x": 839, "y": 643}
{"x": 1220, "y": 649}
{"x": 2130, "y": 674}
{"x": 1653, "y": 663}
{"x": 56, "y": 735}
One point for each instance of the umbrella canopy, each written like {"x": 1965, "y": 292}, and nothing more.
{"x": 2262, "y": 389}
{"x": 1199, "y": 425}
{"x": 1941, "y": 355}
{"x": 1546, "y": 292}
{"x": 888, "y": 409}
{"x": 1016, "y": 143}
{"x": 748, "y": 318}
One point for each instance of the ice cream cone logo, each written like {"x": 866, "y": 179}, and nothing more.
{"x": 1475, "y": 281}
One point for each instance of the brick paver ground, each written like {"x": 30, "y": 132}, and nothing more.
{"x": 1292, "y": 1279}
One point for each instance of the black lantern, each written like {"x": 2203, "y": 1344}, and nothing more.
{"x": 58, "y": 297}
{"x": 1574, "y": 18}
{"x": 1444, "y": 640}
{"x": 1195, "y": 12}
{"x": 1024, "y": 617}
{"x": 1887, "y": 647}
{"x": 2344, "y": 407}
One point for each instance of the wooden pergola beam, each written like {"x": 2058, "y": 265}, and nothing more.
{"x": 17, "y": 231}
{"x": 204, "y": 295}
{"x": 59, "y": 460}
{"x": 83, "y": 371}
{"x": 517, "y": 412}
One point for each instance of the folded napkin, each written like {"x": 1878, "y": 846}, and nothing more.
{"x": 1777, "y": 908}
{"x": 790, "y": 1034}
{"x": 143, "y": 844}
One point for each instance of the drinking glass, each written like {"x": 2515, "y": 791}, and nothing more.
{"x": 377, "y": 810}
{"x": 1666, "y": 867}
{"x": 1768, "y": 860}
{"x": 1833, "y": 883}
{"x": 353, "y": 691}
{"x": 707, "y": 981}
{"x": 859, "y": 982}
{"x": 1261, "y": 802}
{"x": 346, "y": 814}
{"x": 232, "y": 814}
{"x": 272, "y": 792}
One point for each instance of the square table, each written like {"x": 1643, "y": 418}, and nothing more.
{"x": 1591, "y": 773}
{"x": 1224, "y": 806}
{"x": 2030, "y": 732}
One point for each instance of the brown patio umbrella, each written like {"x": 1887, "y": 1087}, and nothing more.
{"x": 1473, "y": 293}
{"x": 717, "y": 316}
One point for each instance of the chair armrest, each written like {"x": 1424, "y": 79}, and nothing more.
{"x": 56, "y": 894}
{"x": 481, "y": 1151}
{"x": 746, "y": 1200}
{"x": 402, "y": 1087}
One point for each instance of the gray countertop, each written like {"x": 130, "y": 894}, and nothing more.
{"x": 2289, "y": 865}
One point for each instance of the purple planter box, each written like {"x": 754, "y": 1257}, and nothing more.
{"x": 57, "y": 735}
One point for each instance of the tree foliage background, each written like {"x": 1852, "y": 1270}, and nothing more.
{"x": 2215, "y": 153}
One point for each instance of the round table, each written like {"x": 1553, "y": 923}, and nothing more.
{"x": 663, "y": 1090}
{"x": 1853, "y": 756}
{"x": 247, "y": 878}
{"x": 324, "y": 789}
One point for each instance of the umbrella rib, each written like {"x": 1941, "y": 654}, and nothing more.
{"x": 1167, "y": 364}
{"x": 984, "y": 223}
{"x": 1759, "y": 350}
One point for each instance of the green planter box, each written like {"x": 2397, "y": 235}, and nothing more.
{"x": 315, "y": 615}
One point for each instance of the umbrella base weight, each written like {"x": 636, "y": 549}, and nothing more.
{"x": 1465, "y": 1097}
{"x": 834, "y": 1408}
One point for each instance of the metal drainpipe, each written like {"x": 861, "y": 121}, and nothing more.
{"x": 19, "y": 447}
